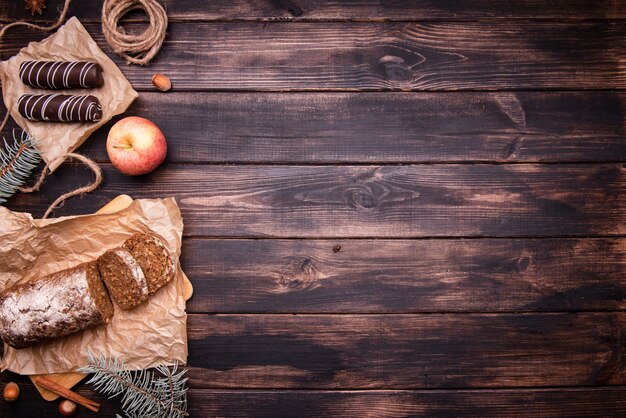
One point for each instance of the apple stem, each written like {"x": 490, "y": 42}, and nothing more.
{"x": 122, "y": 146}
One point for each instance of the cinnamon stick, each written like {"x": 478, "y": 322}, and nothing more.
{"x": 66, "y": 393}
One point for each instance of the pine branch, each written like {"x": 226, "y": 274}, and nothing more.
{"x": 144, "y": 394}
{"x": 17, "y": 162}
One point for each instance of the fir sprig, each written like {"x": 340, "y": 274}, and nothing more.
{"x": 144, "y": 394}
{"x": 17, "y": 161}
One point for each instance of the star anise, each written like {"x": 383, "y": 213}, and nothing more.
{"x": 35, "y": 6}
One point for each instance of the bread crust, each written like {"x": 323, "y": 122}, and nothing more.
{"x": 54, "y": 306}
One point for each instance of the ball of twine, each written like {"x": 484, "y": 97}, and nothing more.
{"x": 134, "y": 48}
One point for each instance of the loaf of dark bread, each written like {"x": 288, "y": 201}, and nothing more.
{"x": 75, "y": 299}
{"x": 153, "y": 257}
{"x": 124, "y": 278}
{"x": 54, "y": 306}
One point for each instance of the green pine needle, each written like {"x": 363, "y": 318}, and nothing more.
{"x": 17, "y": 162}
{"x": 144, "y": 394}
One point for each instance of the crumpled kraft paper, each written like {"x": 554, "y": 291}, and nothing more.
{"x": 153, "y": 333}
{"x": 71, "y": 42}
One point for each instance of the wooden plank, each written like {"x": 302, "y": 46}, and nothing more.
{"x": 309, "y": 128}
{"x": 368, "y": 201}
{"x": 572, "y": 402}
{"x": 402, "y": 276}
{"x": 406, "y": 351}
{"x": 601, "y": 402}
{"x": 361, "y": 10}
{"x": 389, "y": 56}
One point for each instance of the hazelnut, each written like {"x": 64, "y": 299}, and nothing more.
{"x": 67, "y": 408}
{"x": 161, "y": 82}
{"x": 11, "y": 392}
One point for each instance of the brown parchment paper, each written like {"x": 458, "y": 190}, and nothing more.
{"x": 71, "y": 42}
{"x": 153, "y": 333}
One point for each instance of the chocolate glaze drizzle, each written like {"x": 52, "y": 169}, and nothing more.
{"x": 59, "y": 108}
{"x": 61, "y": 74}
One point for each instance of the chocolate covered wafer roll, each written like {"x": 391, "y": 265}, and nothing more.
{"x": 61, "y": 74}
{"x": 59, "y": 108}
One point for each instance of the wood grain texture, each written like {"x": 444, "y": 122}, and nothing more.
{"x": 406, "y": 351}
{"x": 387, "y": 56}
{"x": 367, "y": 201}
{"x": 530, "y": 322}
{"x": 190, "y": 10}
{"x": 401, "y": 276}
{"x": 602, "y": 402}
{"x": 329, "y": 128}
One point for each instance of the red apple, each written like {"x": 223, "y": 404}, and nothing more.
{"x": 136, "y": 146}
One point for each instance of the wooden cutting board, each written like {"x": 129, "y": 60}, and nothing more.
{"x": 69, "y": 380}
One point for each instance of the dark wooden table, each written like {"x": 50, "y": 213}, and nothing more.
{"x": 391, "y": 208}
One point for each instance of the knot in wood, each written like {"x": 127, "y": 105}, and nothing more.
{"x": 395, "y": 68}
{"x": 522, "y": 264}
{"x": 362, "y": 197}
{"x": 298, "y": 274}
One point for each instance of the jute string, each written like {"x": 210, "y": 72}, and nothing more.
{"x": 91, "y": 164}
{"x": 5, "y": 120}
{"x": 49, "y": 28}
{"x": 134, "y": 48}
{"x": 79, "y": 191}
{"x": 44, "y": 173}
{"x": 55, "y": 25}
